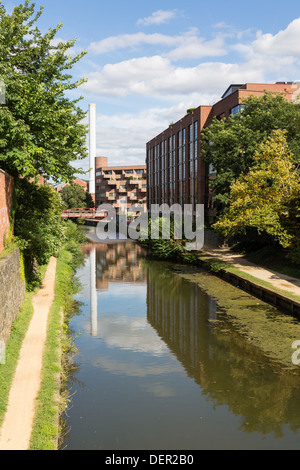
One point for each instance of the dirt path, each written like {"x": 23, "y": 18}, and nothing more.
{"x": 280, "y": 281}
{"x": 17, "y": 425}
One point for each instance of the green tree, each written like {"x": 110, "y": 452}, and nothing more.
{"x": 75, "y": 197}
{"x": 39, "y": 227}
{"x": 267, "y": 198}
{"x": 229, "y": 145}
{"x": 41, "y": 130}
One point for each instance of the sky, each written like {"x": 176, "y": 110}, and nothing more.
{"x": 147, "y": 62}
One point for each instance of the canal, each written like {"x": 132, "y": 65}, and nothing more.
{"x": 173, "y": 358}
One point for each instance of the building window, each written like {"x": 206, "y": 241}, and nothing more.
{"x": 237, "y": 109}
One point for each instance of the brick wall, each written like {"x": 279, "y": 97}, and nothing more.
{"x": 6, "y": 194}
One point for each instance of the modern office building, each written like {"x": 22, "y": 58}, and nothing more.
{"x": 175, "y": 171}
{"x": 115, "y": 182}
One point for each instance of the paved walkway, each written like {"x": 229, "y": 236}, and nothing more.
{"x": 17, "y": 426}
{"x": 280, "y": 281}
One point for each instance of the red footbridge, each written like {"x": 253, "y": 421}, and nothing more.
{"x": 91, "y": 214}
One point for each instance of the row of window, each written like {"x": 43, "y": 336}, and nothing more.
{"x": 119, "y": 172}
{"x": 162, "y": 164}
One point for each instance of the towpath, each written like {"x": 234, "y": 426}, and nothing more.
{"x": 16, "y": 430}
{"x": 277, "y": 280}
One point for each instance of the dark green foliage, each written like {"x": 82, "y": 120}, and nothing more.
{"x": 229, "y": 145}
{"x": 75, "y": 197}
{"x": 38, "y": 225}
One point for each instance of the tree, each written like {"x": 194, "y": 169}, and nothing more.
{"x": 41, "y": 130}
{"x": 39, "y": 227}
{"x": 75, "y": 197}
{"x": 267, "y": 198}
{"x": 229, "y": 145}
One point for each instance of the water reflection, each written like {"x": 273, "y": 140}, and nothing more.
{"x": 160, "y": 353}
{"x": 217, "y": 356}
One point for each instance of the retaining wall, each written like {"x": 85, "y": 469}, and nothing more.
{"x": 12, "y": 292}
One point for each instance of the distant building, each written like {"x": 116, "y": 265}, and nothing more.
{"x": 115, "y": 182}
{"x": 59, "y": 186}
{"x": 175, "y": 171}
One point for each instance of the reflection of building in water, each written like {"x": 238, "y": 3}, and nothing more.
{"x": 175, "y": 310}
{"x": 218, "y": 356}
{"x": 120, "y": 262}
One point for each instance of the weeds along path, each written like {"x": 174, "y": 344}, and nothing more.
{"x": 17, "y": 425}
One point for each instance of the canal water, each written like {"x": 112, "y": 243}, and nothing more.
{"x": 173, "y": 358}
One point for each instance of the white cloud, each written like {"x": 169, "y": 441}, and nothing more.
{"x": 186, "y": 45}
{"x": 123, "y": 41}
{"x": 161, "y": 77}
{"x": 158, "y": 17}
{"x": 285, "y": 42}
{"x": 157, "y": 76}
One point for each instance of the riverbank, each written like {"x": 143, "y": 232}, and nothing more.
{"x": 276, "y": 288}
{"x": 18, "y": 421}
{"x": 273, "y": 287}
{"x": 32, "y": 379}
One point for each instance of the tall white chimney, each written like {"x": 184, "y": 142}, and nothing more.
{"x": 92, "y": 147}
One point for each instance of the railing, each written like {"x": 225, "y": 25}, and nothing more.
{"x": 84, "y": 213}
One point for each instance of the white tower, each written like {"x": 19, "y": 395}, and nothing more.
{"x": 92, "y": 148}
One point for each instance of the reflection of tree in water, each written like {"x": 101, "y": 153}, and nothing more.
{"x": 217, "y": 355}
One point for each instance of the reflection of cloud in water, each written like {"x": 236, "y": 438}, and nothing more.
{"x": 159, "y": 390}
{"x": 132, "y": 369}
{"x": 126, "y": 290}
{"x": 134, "y": 334}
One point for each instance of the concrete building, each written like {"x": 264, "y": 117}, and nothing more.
{"x": 115, "y": 182}
{"x": 175, "y": 171}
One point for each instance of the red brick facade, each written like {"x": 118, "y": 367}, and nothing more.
{"x": 176, "y": 174}
{"x": 6, "y": 194}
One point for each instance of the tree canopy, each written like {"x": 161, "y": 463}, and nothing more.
{"x": 41, "y": 130}
{"x": 267, "y": 198}
{"x": 230, "y": 145}
{"x": 75, "y": 197}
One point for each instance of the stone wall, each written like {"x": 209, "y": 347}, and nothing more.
{"x": 12, "y": 292}
{"x": 6, "y": 194}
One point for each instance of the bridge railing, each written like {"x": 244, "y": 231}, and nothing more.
{"x": 90, "y": 213}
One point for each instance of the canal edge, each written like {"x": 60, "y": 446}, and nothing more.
{"x": 268, "y": 295}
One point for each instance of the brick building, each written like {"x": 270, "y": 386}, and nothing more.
{"x": 83, "y": 184}
{"x": 114, "y": 182}
{"x": 175, "y": 171}
{"x": 6, "y": 195}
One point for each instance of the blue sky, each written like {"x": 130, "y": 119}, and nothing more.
{"x": 148, "y": 62}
